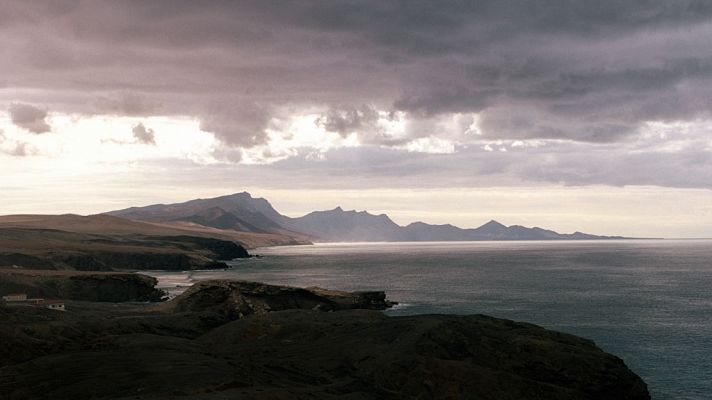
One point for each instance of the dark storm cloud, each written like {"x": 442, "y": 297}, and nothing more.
{"x": 587, "y": 71}
{"x": 363, "y": 120}
{"x": 143, "y": 135}
{"x": 423, "y": 57}
{"x": 29, "y": 117}
{"x": 345, "y": 121}
{"x": 240, "y": 124}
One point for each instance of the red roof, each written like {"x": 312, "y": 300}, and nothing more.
{"x": 48, "y": 302}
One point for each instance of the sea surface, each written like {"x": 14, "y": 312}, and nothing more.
{"x": 648, "y": 302}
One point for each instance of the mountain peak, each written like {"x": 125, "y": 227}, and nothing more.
{"x": 493, "y": 224}
{"x": 339, "y": 209}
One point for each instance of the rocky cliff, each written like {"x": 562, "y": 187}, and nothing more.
{"x": 72, "y": 285}
{"x": 237, "y": 299}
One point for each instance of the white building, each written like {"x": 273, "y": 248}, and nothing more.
{"x": 57, "y": 305}
{"x": 20, "y": 299}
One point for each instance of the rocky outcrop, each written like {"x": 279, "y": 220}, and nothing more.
{"x": 300, "y": 354}
{"x": 70, "y": 285}
{"x": 237, "y": 299}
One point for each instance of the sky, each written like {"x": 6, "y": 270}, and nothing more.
{"x": 571, "y": 115}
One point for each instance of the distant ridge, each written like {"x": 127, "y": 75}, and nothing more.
{"x": 243, "y": 213}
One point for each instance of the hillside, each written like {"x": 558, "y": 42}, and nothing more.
{"x": 104, "y": 224}
{"x": 104, "y": 243}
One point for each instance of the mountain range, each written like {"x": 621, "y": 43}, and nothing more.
{"x": 243, "y": 213}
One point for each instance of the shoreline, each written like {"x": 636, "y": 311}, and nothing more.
{"x": 579, "y": 241}
{"x": 232, "y": 339}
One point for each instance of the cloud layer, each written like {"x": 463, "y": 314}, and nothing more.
{"x": 586, "y": 78}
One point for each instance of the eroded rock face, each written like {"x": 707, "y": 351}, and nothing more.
{"x": 237, "y": 299}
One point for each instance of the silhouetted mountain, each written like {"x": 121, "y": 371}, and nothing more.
{"x": 241, "y": 212}
{"x": 338, "y": 225}
{"x": 492, "y": 230}
{"x": 420, "y": 231}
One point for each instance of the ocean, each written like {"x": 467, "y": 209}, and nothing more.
{"x": 646, "y": 301}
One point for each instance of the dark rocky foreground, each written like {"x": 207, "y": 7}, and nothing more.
{"x": 239, "y": 340}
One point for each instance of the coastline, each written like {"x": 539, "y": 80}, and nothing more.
{"x": 249, "y": 340}
{"x": 375, "y": 250}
